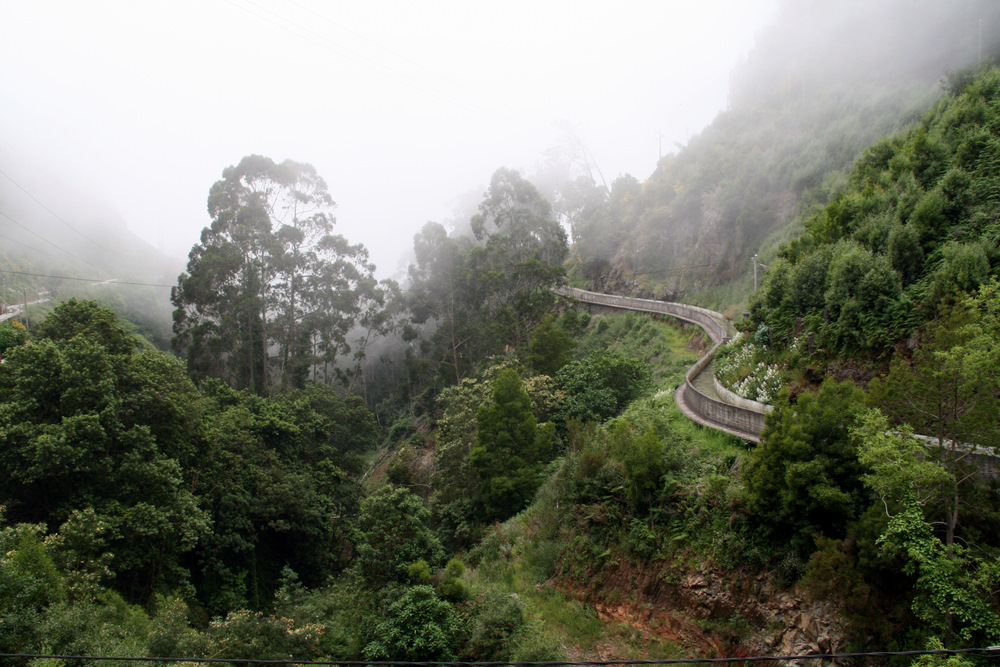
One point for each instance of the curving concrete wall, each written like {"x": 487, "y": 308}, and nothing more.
{"x": 740, "y": 421}
{"x": 732, "y": 397}
{"x": 713, "y": 323}
{"x": 742, "y": 418}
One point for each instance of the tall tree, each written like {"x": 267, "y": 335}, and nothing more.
{"x": 442, "y": 293}
{"x": 523, "y": 252}
{"x": 948, "y": 390}
{"x": 511, "y": 449}
{"x": 475, "y": 299}
{"x": 524, "y": 249}
{"x": 269, "y": 289}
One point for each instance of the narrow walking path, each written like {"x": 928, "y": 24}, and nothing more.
{"x": 703, "y": 382}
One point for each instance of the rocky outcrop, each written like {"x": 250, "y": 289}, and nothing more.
{"x": 716, "y": 612}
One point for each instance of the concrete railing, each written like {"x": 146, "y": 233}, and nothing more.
{"x": 714, "y": 324}
{"x": 730, "y": 396}
{"x": 738, "y": 420}
{"x": 736, "y": 415}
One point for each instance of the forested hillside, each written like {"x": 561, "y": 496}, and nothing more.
{"x": 469, "y": 467}
{"x": 912, "y": 231}
{"x": 57, "y": 243}
{"x": 825, "y": 81}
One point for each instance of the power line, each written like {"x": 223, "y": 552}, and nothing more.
{"x": 26, "y": 245}
{"x": 549, "y": 663}
{"x": 53, "y": 213}
{"x": 35, "y": 234}
{"x": 110, "y": 281}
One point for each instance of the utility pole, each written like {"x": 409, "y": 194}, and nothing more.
{"x": 755, "y": 272}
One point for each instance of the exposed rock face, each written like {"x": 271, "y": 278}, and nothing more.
{"x": 716, "y": 612}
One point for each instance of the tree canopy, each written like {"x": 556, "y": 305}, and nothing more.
{"x": 271, "y": 293}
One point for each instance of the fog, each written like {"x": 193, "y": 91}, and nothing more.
{"x": 405, "y": 108}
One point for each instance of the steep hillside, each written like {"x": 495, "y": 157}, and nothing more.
{"x": 914, "y": 229}
{"x": 825, "y": 81}
{"x": 58, "y": 243}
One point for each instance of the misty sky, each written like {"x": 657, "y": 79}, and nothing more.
{"x": 404, "y": 107}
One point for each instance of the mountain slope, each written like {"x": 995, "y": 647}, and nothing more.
{"x": 825, "y": 81}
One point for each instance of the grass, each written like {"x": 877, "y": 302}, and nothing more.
{"x": 666, "y": 345}
{"x": 524, "y": 555}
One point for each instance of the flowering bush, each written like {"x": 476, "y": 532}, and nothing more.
{"x": 745, "y": 369}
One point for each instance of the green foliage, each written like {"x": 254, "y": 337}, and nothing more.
{"x": 455, "y": 499}
{"x": 157, "y": 486}
{"x": 601, "y": 385}
{"x": 911, "y": 233}
{"x": 493, "y": 624}
{"x": 417, "y": 627}
{"x": 948, "y": 390}
{"x": 171, "y": 634}
{"x": 905, "y": 253}
{"x": 450, "y": 585}
{"x": 962, "y": 269}
{"x": 277, "y": 477}
{"x": 257, "y": 636}
{"x": 86, "y": 319}
{"x": 106, "y": 625}
{"x": 832, "y": 574}
{"x": 900, "y": 471}
{"x": 419, "y": 572}
{"x": 549, "y": 347}
{"x": 952, "y": 588}
{"x": 29, "y": 583}
{"x": 88, "y": 421}
{"x": 511, "y": 449}
{"x": 804, "y": 477}
{"x": 12, "y": 334}
{"x": 392, "y": 535}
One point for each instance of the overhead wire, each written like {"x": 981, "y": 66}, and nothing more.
{"x": 109, "y": 281}
{"x": 994, "y": 650}
{"x": 50, "y": 211}
{"x": 27, "y": 245}
{"x": 39, "y": 236}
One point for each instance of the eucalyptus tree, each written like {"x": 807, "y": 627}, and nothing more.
{"x": 522, "y": 256}
{"x": 477, "y": 296}
{"x": 442, "y": 293}
{"x": 270, "y": 290}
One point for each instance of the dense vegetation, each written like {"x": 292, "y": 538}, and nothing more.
{"x": 913, "y": 227}
{"x": 53, "y": 252}
{"x": 521, "y": 463}
{"x": 824, "y": 81}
